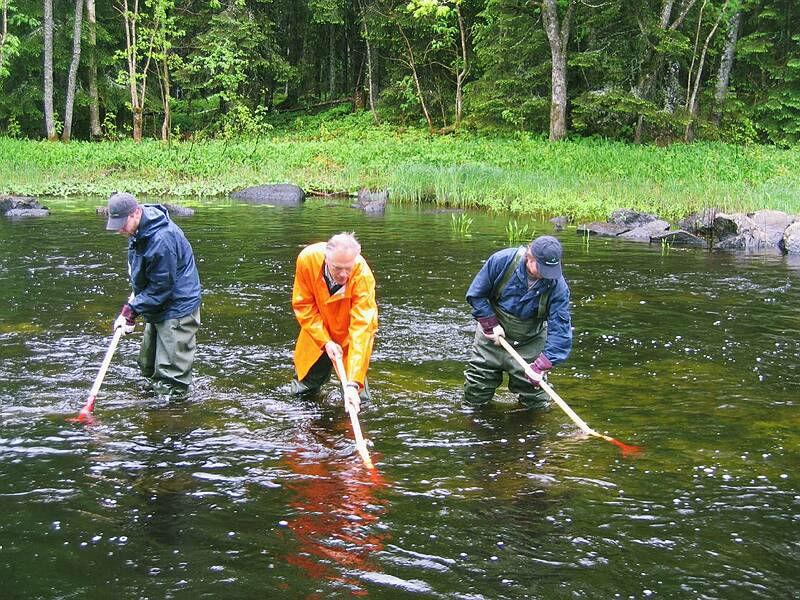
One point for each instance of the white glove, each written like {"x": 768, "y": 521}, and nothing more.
{"x": 352, "y": 401}
{"x": 123, "y": 322}
{"x": 497, "y": 332}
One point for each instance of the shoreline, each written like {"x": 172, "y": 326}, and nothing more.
{"x": 582, "y": 179}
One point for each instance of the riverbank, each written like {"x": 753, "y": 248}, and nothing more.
{"x": 583, "y": 178}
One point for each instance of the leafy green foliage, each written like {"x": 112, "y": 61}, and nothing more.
{"x": 232, "y": 64}
{"x": 339, "y": 150}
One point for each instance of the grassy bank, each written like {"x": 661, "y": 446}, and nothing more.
{"x": 585, "y": 178}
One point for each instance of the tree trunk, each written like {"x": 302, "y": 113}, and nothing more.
{"x": 726, "y": 64}
{"x": 3, "y": 30}
{"x": 648, "y": 77}
{"x": 332, "y": 62}
{"x": 166, "y": 94}
{"x": 418, "y": 86}
{"x": 73, "y": 71}
{"x": 137, "y": 82}
{"x": 49, "y": 117}
{"x": 558, "y": 37}
{"x": 94, "y": 100}
{"x": 462, "y": 74}
{"x": 671, "y": 93}
{"x": 692, "y": 100}
{"x": 373, "y": 92}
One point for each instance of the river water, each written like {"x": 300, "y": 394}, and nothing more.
{"x": 243, "y": 492}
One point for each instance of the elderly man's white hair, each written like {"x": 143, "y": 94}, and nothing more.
{"x": 345, "y": 241}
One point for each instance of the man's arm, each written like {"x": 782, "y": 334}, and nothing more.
{"x": 161, "y": 265}
{"x": 304, "y": 304}
{"x": 363, "y": 322}
{"x": 559, "y": 324}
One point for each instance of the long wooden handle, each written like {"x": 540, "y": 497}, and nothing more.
{"x": 550, "y": 391}
{"x": 361, "y": 444}
{"x": 88, "y": 406}
{"x": 112, "y": 347}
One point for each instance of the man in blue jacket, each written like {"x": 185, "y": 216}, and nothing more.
{"x": 166, "y": 292}
{"x": 520, "y": 294}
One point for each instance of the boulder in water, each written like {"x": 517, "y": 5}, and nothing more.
{"x": 791, "y": 239}
{"x": 602, "y": 229}
{"x": 679, "y": 237}
{"x": 174, "y": 210}
{"x": 20, "y": 207}
{"x": 371, "y": 202}
{"x": 280, "y": 194}
{"x": 643, "y": 233}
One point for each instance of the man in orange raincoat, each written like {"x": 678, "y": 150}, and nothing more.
{"x": 334, "y": 302}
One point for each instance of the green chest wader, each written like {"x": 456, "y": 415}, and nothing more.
{"x": 518, "y": 331}
{"x": 488, "y": 361}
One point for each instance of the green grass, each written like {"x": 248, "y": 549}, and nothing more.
{"x": 582, "y": 178}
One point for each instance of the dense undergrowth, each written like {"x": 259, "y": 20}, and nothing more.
{"x": 333, "y": 151}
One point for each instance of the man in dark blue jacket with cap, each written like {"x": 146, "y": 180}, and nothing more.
{"x": 166, "y": 292}
{"x": 520, "y": 294}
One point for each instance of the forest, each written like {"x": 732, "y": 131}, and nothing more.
{"x": 642, "y": 71}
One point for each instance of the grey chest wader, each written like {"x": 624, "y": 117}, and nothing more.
{"x": 488, "y": 361}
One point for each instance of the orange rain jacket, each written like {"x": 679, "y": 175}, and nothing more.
{"x": 349, "y": 317}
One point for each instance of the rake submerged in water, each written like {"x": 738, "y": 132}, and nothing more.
{"x": 85, "y": 416}
{"x": 626, "y": 449}
{"x": 361, "y": 443}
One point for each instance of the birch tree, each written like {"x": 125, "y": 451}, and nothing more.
{"x": 693, "y": 86}
{"x": 450, "y": 27}
{"x": 136, "y": 74}
{"x": 66, "y": 134}
{"x": 94, "y": 100}
{"x": 726, "y": 64}
{"x": 49, "y": 115}
{"x": 372, "y": 88}
{"x": 9, "y": 43}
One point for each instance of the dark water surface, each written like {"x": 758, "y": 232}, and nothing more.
{"x": 243, "y": 492}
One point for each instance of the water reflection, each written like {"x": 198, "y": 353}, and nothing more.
{"x": 337, "y": 504}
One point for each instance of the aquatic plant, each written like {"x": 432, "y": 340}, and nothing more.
{"x": 516, "y": 233}
{"x": 461, "y": 224}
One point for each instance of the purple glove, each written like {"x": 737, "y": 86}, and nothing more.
{"x": 129, "y": 314}
{"x": 488, "y": 324}
{"x": 126, "y": 319}
{"x": 540, "y": 367}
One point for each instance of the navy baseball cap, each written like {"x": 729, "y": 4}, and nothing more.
{"x": 120, "y": 205}
{"x": 547, "y": 251}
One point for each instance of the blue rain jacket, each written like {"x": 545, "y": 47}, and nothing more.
{"x": 523, "y": 302}
{"x": 163, "y": 272}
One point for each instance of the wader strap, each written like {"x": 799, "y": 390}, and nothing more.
{"x": 497, "y": 291}
{"x": 543, "y": 301}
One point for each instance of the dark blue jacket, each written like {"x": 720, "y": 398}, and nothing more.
{"x": 163, "y": 273}
{"x": 523, "y": 302}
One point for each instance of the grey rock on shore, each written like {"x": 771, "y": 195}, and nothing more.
{"x": 763, "y": 229}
